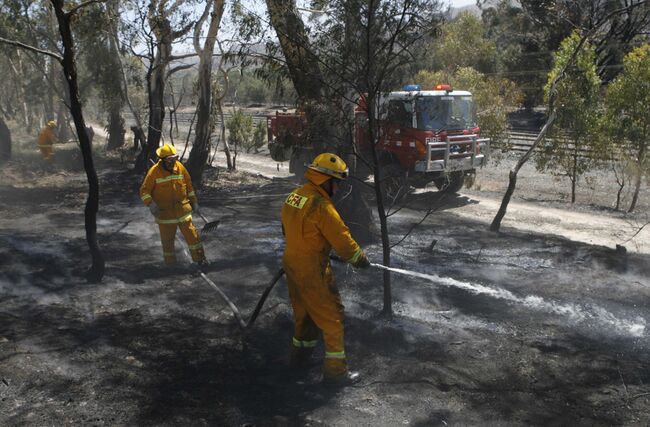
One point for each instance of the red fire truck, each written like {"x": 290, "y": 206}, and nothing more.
{"x": 424, "y": 136}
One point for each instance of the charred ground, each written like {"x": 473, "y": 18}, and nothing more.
{"x": 562, "y": 338}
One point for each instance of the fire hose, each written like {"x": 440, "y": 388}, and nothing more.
{"x": 277, "y": 277}
{"x": 258, "y": 308}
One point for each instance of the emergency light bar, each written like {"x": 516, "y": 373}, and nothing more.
{"x": 443, "y": 87}
{"x": 409, "y": 88}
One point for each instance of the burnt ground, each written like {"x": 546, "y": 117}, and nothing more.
{"x": 522, "y": 327}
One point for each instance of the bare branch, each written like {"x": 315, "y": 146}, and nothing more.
{"x": 639, "y": 230}
{"x": 183, "y": 56}
{"x": 31, "y": 48}
{"x": 178, "y": 68}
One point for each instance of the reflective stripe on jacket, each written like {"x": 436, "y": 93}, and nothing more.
{"x": 171, "y": 191}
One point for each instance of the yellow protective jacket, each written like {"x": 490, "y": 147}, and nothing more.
{"x": 312, "y": 227}
{"x": 172, "y": 192}
{"x": 46, "y": 137}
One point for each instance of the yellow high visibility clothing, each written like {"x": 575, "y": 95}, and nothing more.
{"x": 312, "y": 227}
{"x": 173, "y": 193}
{"x": 46, "y": 139}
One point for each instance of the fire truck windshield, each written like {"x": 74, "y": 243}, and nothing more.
{"x": 445, "y": 112}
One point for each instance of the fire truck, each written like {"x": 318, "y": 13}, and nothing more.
{"x": 425, "y": 136}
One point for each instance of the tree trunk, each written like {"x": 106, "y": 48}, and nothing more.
{"x": 5, "y": 141}
{"x": 372, "y": 134}
{"x": 96, "y": 271}
{"x": 574, "y": 174}
{"x": 637, "y": 181}
{"x": 230, "y": 164}
{"x": 156, "y": 87}
{"x": 512, "y": 176}
{"x": 201, "y": 148}
{"x": 156, "y": 118}
{"x": 116, "y": 129}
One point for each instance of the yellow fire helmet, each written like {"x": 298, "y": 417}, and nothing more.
{"x": 331, "y": 165}
{"x": 51, "y": 124}
{"x": 166, "y": 151}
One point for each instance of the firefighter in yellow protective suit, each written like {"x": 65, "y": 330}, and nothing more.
{"x": 168, "y": 192}
{"x": 312, "y": 227}
{"x": 46, "y": 139}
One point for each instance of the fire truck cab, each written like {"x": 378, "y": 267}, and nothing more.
{"x": 425, "y": 136}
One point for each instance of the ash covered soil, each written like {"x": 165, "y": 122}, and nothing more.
{"x": 542, "y": 324}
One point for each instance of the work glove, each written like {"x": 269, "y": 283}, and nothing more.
{"x": 195, "y": 208}
{"x": 154, "y": 209}
{"x": 362, "y": 262}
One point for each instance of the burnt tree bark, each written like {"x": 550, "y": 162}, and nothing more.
{"x": 5, "y": 141}
{"x": 116, "y": 129}
{"x": 201, "y": 148}
{"x": 159, "y": 17}
{"x": 96, "y": 271}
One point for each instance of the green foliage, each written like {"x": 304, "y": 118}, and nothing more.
{"x": 494, "y": 97}
{"x": 240, "y": 130}
{"x": 464, "y": 44}
{"x": 259, "y": 135}
{"x": 626, "y": 120}
{"x": 573, "y": 135}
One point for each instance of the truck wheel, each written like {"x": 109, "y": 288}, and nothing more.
{"x": 450, "y": 183}
{"x": 394, "y": 183}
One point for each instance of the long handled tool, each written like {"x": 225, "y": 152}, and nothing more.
{"x": 265, "y": 295}
{"x": 209, "y": 227}
{"x": 232, "y": 306}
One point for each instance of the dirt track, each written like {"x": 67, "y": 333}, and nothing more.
{"x": 523, "y": 327}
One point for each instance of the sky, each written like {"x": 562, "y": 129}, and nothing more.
{"x": 459, "y": 3}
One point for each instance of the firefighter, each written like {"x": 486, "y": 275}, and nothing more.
{"x": 168, "y": 192}
{"x": 46, "y": 139}
{"x": 312, "y": 227}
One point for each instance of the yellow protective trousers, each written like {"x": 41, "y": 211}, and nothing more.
{"x": 317, "y": 306}
{"x": 47, "y": 152}
{"x": 168, "y": 234}
{"x": 46, "y": 140}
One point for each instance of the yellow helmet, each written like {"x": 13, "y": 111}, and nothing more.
{"x": 331, "y": 165}
{"x": 51, "y": 124}
{"x": 166, "y": 151}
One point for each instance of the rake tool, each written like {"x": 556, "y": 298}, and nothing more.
{"x": 209, "y": 227}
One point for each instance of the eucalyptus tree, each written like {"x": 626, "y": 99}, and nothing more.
{"x": 593, "y": 30}
{"x": 101, "y": 59}
{"x": 65, "y": 15}
{"x": 160, "y": 24}
{"x": 570, "y": 150}
{"x": 204, "y": 125}
{"x": 626, "y": 119}
{"x": 36, "y": 79}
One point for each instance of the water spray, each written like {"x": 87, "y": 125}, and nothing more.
{"x": 635, "y": 328}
